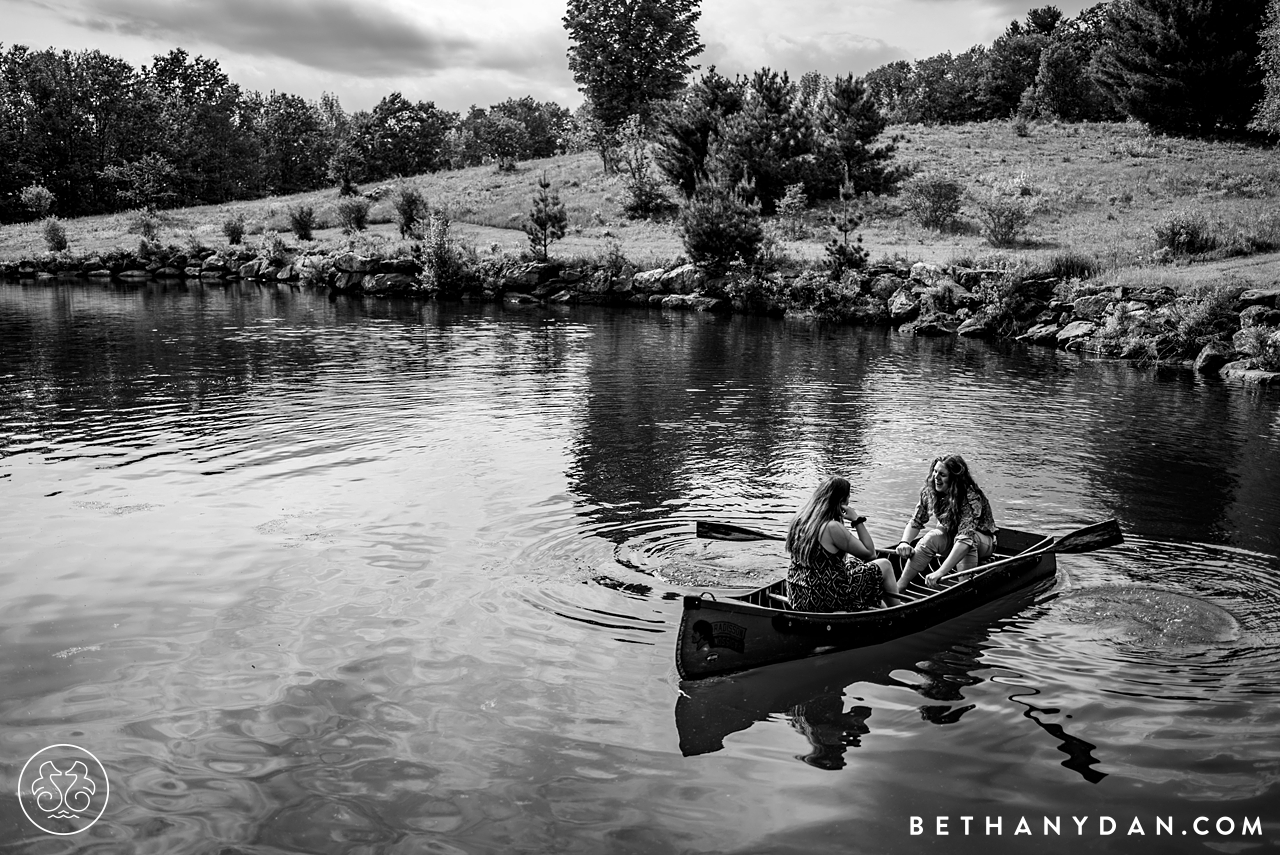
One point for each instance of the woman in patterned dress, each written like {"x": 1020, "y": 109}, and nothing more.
{"x": 966, "y": 532}
{"x": 831, "y": 570}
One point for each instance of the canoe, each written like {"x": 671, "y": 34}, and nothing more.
{"x": 946, "y": 659}
{"x": 721, "y": 634}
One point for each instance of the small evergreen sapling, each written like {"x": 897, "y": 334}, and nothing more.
{"x": 841, "y": 254}
{"x": 547, "y": 221}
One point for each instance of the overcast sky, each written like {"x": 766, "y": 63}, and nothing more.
{"x": 462, "y": 52}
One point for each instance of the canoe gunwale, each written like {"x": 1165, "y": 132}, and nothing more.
{"x": 721, "y": 635}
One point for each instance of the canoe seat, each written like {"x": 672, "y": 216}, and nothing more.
{"x": 780, "y": 600}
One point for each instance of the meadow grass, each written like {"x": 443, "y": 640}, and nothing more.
{"x": 1097, "y": 190}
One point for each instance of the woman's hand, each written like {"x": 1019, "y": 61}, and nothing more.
{"x": 849, "y": 513}
{"x": 934, "y": 579}
{"x": 905, "y": 551}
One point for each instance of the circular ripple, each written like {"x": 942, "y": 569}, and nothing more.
{"x": 1149, "y": 617}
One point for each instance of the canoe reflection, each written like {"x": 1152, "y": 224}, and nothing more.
{"x": 810, "y": 693}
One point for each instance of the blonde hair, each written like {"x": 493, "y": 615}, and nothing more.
{"x": 822, "y": 507}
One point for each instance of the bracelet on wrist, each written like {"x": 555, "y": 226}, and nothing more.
{"x": 859, "y": 521}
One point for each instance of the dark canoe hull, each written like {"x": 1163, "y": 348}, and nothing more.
{"x": 733, "y": 633}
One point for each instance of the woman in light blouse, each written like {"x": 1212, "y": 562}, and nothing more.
{"x": 966, "y": 532}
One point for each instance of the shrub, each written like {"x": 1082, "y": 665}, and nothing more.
{"x": 1203, "y": 314}
{"x": 411, "y": 210}
{"x": 547, "y": 219}
{"x": 771, "y": 256}
{"x": 1008, "y": 298}
{"x": 302, "y": 221}
{"x": 933, "y": 200}
{"x": 233, "y": 228}
{"x": 353, "y": 215}
{"x": 756, "y": 294}
{"x": 444, "y": 269}
{"x": 791, "y": 208}
{"x": 1269, "y": 353}
{"x": 55, "y": 235}
{"x": 1003, "y": 219}
{"x": 38, "y": 199}
{"x": 195, "y": 246}
{"x": 1071, "y": 265}
{"x": 719, "y": 228}
{"x": 145, "y": 223}
{"x": 827, "y": 299}
{"x": 644, "y": 192}
{"x": 273, "y": 246}
{"x": 1186, "y": 232}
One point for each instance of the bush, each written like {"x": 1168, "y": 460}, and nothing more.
{"x": 1003, "y": 219}
{"x": 353, "y": 215}
{"x": 302, "y": 221}
{"x": 147, "y": 224}
{"x": 1186, "y": 232}
{"x": 1269, "y": 352}
{"x": 446, "y": 269}
{"x": 719, "y": 228}
{"x": 933, "y": 200}
{"x": 233, "y": 228}
{"x": 1009, "y": 298}
{"x": 55, "y": 235}
{"x": 645, "y": 198}
{"x": 1071, "y": 265}
{"x": 756, "y": 294}
{"x": 273, "y": 246}
{"x": 791, "y": 208}
{"x": 1203, "y": 314}
{"x": 38, "y": 199}
{"x": 411, "y": 209}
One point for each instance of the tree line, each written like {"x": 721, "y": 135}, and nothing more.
{"x": 1189, "y": 67}
{"x": 1184, "y": 67}
{"x": 102, "y": 136}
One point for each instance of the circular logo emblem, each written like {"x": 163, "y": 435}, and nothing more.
{"x": 63, "y": 789}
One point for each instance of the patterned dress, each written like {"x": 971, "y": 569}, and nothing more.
{"x": 822, "y": 582}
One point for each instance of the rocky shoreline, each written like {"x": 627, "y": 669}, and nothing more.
{"x": 1240, "y": 343}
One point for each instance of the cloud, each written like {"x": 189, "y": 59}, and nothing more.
{"x": 365, "y": 39}
{"x": 830, "y": 53}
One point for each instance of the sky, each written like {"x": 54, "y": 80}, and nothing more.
{"x": 465, "y": 52}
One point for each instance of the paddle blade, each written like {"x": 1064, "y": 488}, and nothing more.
{"x": 1087, "y": 539}
{"x": 726, "y": 531}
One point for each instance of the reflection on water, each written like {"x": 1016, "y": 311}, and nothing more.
{"x": 375, "y": 576}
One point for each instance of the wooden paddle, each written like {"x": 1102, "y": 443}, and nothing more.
{"x": 1087, "y": 539}
{"x": 728, "y": 531}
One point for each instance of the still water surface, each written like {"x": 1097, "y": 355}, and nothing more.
{"x": 353, "y": 576}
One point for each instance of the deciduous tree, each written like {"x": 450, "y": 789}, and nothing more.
{"x": 1267, "y": 116}
{"x": 626, "y": 55}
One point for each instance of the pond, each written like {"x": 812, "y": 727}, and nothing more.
{"x": 343, "y": 575}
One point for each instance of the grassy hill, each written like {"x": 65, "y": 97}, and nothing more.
{"x": 1097, "y": 189}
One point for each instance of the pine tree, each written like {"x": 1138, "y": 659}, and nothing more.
{"x": 1184, "y": 67}
{"x": 854, "y": 122}
{"x": 686, "y": 131}
{"x": 548, "y": 219}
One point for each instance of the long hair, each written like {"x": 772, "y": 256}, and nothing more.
{"x": 947, "y": 505}
{"x": 823, "y": 506}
